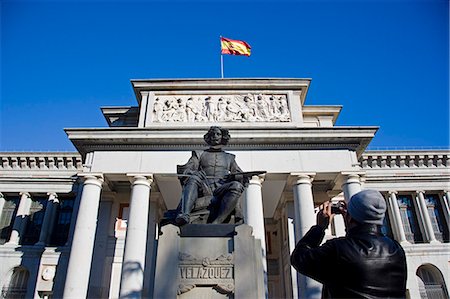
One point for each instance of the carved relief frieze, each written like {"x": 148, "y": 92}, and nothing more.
{"x": 218, "y": 273}
{"x": 221, "y": 108}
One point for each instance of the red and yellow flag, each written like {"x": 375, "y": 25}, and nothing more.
{"x": 234, "y": 47}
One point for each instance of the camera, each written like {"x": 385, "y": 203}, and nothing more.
{"x": 336, "y": 207}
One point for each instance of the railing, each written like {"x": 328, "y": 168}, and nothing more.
{"x": 404, "y": 160}
{"x": 407, "y": 148}
{"x": 40, "y": 161}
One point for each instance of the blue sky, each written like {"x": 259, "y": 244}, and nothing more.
{"x": 385, "y": 62}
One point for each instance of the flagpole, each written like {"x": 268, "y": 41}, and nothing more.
{"x": 221, "y": 58}
{"x": 221, "y": 65}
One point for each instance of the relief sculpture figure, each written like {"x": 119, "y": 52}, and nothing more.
{"x": 231, "y": 108}
{"x": 159, "y": 110}
{"x": 211, "y": 179}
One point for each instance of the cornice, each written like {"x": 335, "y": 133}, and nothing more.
{"x": 292, "y": 84}
{"x": 351, "y": 138}
{"x": 183, "y": 147}
{"x": 225, "y": 84}
{"x": 322, "y": 110}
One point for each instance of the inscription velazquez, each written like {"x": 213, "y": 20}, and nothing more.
{"x": 191, "y": 272}
{"x": 218, "y": 273}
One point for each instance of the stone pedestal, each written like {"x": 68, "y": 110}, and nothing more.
{"x": 208, "y": 261}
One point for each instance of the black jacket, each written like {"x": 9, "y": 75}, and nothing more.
{"x": 363, "y": 264}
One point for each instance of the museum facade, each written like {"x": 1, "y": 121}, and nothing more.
{"x": 88, "y": 224}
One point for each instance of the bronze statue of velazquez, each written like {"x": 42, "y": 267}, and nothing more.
{"x": 212, "y": 183}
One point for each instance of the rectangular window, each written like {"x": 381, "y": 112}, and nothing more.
{"x": 7, "y": 217}
{"x": 35, "y": 220}
{"x": 437, "y": 217}
{"x": 409, "y": 219}
{"x": 62, "y": 222}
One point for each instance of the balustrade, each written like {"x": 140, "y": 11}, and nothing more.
{"x": 19, "y": 161}
{"x": 403, "y": 160}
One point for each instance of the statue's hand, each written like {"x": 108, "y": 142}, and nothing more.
{"x": 239, "y": 178}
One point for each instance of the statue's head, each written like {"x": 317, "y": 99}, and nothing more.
{"x": 213, "y": 133}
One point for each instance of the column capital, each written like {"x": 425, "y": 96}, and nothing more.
{"x": 140, "y": 179}
{"x": 1, "y": 195}
{"x": 297, "y": 178}
{"x": 352, "y": 176}
{"x": 91, "y": 178}
{"x": 52, "y": 196}
{"x": 257, "y": 179}
{"x": 25, "y": 194}
{"x": 446, "y": 193}
{"x": 420, "y": 192}
{"x": 393, "y": 192}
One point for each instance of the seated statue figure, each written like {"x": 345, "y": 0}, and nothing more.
{"x": 213, "y": 180}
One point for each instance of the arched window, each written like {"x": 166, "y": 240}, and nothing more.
{"x": 431, "y": 283}
{"x": 17, "y": 286}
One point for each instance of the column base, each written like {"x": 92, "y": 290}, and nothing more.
{"x": 405, "y": 243}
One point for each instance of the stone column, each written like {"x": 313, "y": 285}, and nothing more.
{"x": 2, "y": 204}
{"x": 78, "y": 270}
{"x": 351, "y": 185}
{"x": 133, "y": 265}
{"x": 20, "y": 222}
{"x": 100, "y": 257}
{"x": 304, "y": 219}
{"x": 445, "y": 203}
{"x": 254, "y": 215}
{"x": 397, "y": 218}
{"x": 49, "y": 219}
{"x": 392, "y": 219}
{"x": 303, "y": 204}
{"x": 291, "y": 232}
{"x": 339, "y": 225}
{"x": 428, "y": 228}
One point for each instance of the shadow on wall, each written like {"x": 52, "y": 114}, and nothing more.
{"x": 102, "y": 249}
{"x": 130, "y": 269}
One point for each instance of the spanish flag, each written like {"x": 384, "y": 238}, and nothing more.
{"x": 234, "y": 47}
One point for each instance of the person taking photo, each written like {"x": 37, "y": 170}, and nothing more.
{"x": 362, "y": 264}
